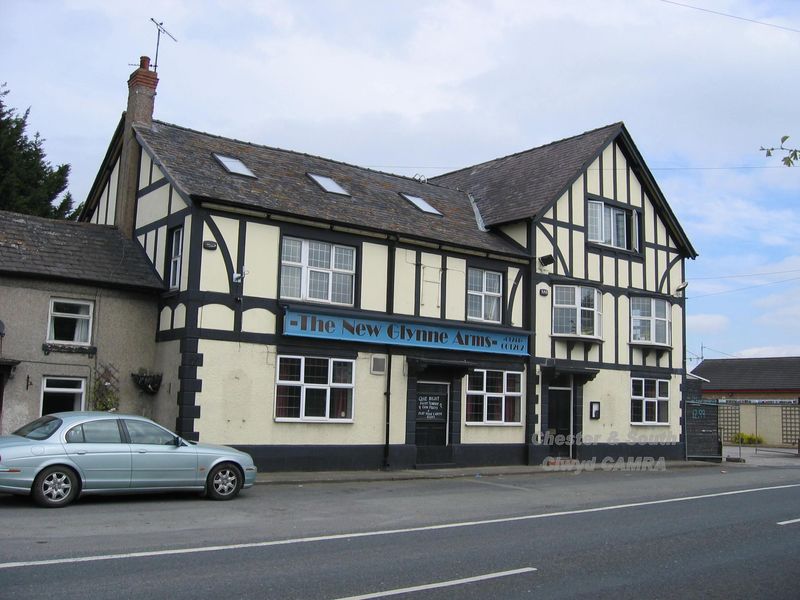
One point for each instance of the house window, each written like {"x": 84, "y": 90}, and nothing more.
{"x": 484, "y": 290}
{"x": 175, "y": 254}
{"x": 650, "y": 321}
{"x": 494, "y": 397}
{"x": 60, "y": 394}
{"x": 649, "y": 401}
{"x": 70, "y": 322}
{"x": 613, "y": 226}
{"x": 317, "y": 271}
{"x": 314, "y": 389}
{"x": 577, "y": 310}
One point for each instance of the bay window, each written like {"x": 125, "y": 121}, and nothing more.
{"x": 650, "y": 321}
{"x": 314, "y": 389}
{"x": 317, "y": 271}
{"x": 577, "y": 311}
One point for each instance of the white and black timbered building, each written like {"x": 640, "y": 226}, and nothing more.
{"x": 323, "y": 315}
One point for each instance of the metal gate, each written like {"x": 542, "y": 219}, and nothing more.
{"x": 701, "y": 422}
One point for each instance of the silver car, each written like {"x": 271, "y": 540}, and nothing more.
{"x": 58, "y": 457}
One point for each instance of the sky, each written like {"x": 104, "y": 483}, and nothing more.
{"x": 425, "y": 87}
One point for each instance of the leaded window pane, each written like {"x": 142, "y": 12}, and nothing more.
{"x": 491, "y": 308}
{"x": 474, "y": 306}
{"x": 649, "y": 388}
{"x": 660, "y": 308}
{"x": 661, "y": 332}
{"x": 649, "y": 411}
{"x": 564, "y": 320}
{"x": 344, "y": 258}
{"x": 342, "y": 372}
{"x": 663, "y": 389}
{"x": 513, "y": 382}
{"x": 493, "y": 282}
{"x": 608, "y": 219}
{"x": 316, "y": 402}
{"x": 341, "y": 403}
{"x": 640, "y": 307}
{"x": 289, "y": 369}
{"x": 318, "y": 282}
{"x": 663, "y": 411}
{"x": 587, "y": 297}
{"x": 475, "y": 381}
{"x": 512, "y": 414}
{"x": 474, "y": 408}
{"x": 342, "y": 290}
{"x": 474, "y": 280}
{"x": 319, "y": 255}
{"x": 316, "y": 370}
{"x": 587, "y": 322}
{"x": 596, "y": 221}
{"x": 291, "y": 278}
{"x": 494, "y": 382}
{"x": 292, "y": 250}
{"x": 620, "y": 232}
{"x": 640, "y": 330}
{"x": 637, "y": 388}
{"x": 565, "y": 295}
{"x": 494, "y": 408}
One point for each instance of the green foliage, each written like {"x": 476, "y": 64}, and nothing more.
{"x": 792, "y": 154}
{"x": 105, "y": 392}
{"x": 747, "y": 438}
{"x": 28, "y": 183}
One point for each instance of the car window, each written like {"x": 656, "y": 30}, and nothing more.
{"x": 75, "y": 435}
{"x": 40, "y": 429}
{"x": 142, "y": 432}
{"x": 101, "y": 432}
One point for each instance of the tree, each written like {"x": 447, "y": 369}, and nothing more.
{"x": 792, "y": 154}
{"x": 28, "y": 183}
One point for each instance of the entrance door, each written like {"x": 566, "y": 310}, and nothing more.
{"x": 559, "y": 420}
{"x": 431, "y": 423}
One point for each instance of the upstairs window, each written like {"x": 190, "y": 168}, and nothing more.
{"x": 175, "y": 256}
{"x": 649, "y": 401}
{"x": 314, "y": 389}
{"x": 494, "y": 397}
{"x": 484, "y": 289}
{"x": 328, "y": 184}
{"x": 70, "y": 322}
{"x": 650, "y": 321}
{"x": 317, "y": 271}
{"x": 577, "y": 311}
{"x": 421, "y": 204}
{"x": 613, "y": 226}
{"x": 234, "y": 165}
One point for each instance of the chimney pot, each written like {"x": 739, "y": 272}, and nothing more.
{"x": 144, "y": 62}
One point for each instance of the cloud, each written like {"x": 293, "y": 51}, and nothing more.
{"x": 707, "y": 323}
{"x": 768, "y": 351}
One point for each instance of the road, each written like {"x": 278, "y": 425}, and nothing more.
{"x": 710, "y": 532}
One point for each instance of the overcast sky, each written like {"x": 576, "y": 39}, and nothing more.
{"x": 430, "y": 86}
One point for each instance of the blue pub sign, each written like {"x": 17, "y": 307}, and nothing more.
{"x": 398, "y": 333}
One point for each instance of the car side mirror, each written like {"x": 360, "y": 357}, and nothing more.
{"x": 177, "y": 441}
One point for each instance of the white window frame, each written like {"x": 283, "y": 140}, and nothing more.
{"x": 483, "y": 294}
{"x": 652, "y": 321}
{"x": 605, "y": 232}
{"x": 304, "y": 386}
{"x": 597, "y": 312}
{"x": 81, "y": 390}
{"x": 53, "y": 314}
{"x": 484, "y": 395}
{"x": 175, "y": 257}
{"x": 306, "y": 271}
{"x": 654, "y": 400}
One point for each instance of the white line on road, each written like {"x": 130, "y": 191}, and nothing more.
{"x": 347, "y": 536}
{"x": 792, "y": 522}
{"x": 442, "y": 584}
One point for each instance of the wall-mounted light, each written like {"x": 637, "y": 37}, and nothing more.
{"x": 209, "y": 245}
{"x": 546, "y": 260}
{"x": 681, "y": 287}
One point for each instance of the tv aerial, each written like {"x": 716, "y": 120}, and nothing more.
{"x": 160, "y": 27}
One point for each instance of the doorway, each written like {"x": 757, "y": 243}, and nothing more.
{"x": 560, "y": 421}
{"x": 432, "y": 415}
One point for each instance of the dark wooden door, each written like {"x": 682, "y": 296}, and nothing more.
{"x": 431, "y": 423}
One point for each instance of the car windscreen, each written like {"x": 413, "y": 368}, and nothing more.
{"x": 40, "y": 429}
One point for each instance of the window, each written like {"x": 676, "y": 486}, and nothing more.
{"x": 234, "y": 165}
{"x": 40, "y": 429}
{"x": 60, "y": 394}
{"x": 650, "y": 321}
{"x": 317, "y": 271}
{"x": 483, "y": 295}
{"x": 142, "y": 432}
{"x": 314, "y": 389}
{"x": 328, "y": 184}
{"x": 421, "y": 204}
{"x": 649, "y": 401}
{"x": 494, "y": 397}
{"x": 70, "y": 322}
{"x": 95, "y": 432}
{"x": 613, "y": 226}
{"x": 577, "y": 311}
{"x": 175, "y": 254}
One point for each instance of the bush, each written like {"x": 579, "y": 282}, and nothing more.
{"x": 746, "y": 438}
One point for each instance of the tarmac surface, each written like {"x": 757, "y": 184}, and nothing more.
{"x": 753, "y": 457}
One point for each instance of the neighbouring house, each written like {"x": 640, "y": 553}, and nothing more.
{"x": 757, "y": 396}
{"x": 324, "y": 315}
{"x": 78, "y": 303}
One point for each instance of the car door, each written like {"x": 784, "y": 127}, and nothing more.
{"x": 156, "y": 461}
{"x": 99, "y": 451}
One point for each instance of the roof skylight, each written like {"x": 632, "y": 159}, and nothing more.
{"x": 420, "y": 204}
{"x": 234, "y": 165}
{"x": 328, "y": 184}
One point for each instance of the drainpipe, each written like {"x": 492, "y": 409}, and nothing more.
{"x": 388, "y": 395}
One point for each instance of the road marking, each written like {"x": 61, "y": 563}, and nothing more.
{"x": 507, "y": 486}
{"x": 442, "y": 584}
{"x": 792, "y": 522}
{"x": 347, "y": 536}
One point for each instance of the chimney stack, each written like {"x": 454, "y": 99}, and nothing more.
{"x": 141, "y": 100}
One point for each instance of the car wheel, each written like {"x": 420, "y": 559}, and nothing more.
{"x": 224, "y": 482}
{"x": 55, "y": 487}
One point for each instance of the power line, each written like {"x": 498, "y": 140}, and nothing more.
{"x": 730, "y": 16}
{"x": 750, "y": 287}
{"x": 746, "y": 275}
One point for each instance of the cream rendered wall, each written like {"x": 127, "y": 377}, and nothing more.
{"x": 144, "y": 170}
{"x": 544, "y": 320}
{"x": 261, "y": 252}
{"x": 215, "y": 316}
{"x": 165, "y": 402}
{"x": 179, "y": 316}
{"x": 399, "y": 391}
{"x": 214, "y": 276}
{"x": 153, "y": 206}
{"x": 516, "y": 309}
{"x": 473, "y": 433}
{"x": 578, "y": 204}
{"x": 165, "y": 319}
{"x": 622, "y": 180}
{"x": 258, "y": 320}
{"x": 375, "y": 268}
{"x": 237, "y": 401}
{"x": 161, "y": 251}
{"x": 593, "y": 178}
{"x": 430, "y": 297}
{"x": 404, "y": 281}
{"x": 517, "y": 232}
{"x": 456, "y": 288}
{"x": 608, "y": 172}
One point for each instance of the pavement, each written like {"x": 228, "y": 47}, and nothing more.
{"x": 756, "y": 456}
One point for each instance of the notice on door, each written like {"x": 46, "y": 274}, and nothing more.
{"x": 431, "y": 407}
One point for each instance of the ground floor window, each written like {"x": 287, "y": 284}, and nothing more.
{"x": 61, "y": 394}
{"x": 494, "y": 397}
{"x": 314, "y": 389}
{"x": 649, "y": 401}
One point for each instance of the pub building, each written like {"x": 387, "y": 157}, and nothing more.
{"x": 322, "y": 315}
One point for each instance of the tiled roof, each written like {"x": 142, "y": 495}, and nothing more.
{"x": 282, "y": 186}
{"x": 520, "y": 185}
{"x": 752, "y": 374}
{"x": 68, "y": 250}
